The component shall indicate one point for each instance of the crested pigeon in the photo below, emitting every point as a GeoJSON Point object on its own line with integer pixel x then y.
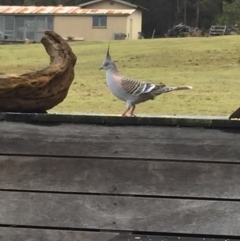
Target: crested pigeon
{"type": "Point", "coordinates": [132, 91]}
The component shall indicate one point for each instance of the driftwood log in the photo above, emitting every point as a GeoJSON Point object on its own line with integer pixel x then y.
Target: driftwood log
{"type": "Point", "coordinates": [235, 114]}
{"type": "Point", "coordinates": [40, 90]}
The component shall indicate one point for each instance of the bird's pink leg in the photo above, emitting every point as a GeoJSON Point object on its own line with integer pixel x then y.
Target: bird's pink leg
{"type": "Point", "coordinates": [125, 112]}
{"type": "Point", "coordinates": [133, 108]}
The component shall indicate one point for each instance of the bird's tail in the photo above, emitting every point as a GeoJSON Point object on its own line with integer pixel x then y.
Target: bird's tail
{"type": "Point", "coordinates": [160, 89]}
{"type": "Point", "coordinates": [169, 89]}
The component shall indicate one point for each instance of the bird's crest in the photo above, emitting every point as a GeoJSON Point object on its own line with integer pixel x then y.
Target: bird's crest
{"type": "Point", "coordinates": [108, 56]}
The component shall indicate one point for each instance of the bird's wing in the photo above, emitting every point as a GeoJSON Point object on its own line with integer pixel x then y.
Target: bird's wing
{"type": "Point", "coordinates": [136, 87]}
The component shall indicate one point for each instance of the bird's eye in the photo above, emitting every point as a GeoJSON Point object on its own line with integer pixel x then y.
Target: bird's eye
{"type": "Point", "coordinates": [106, 64]}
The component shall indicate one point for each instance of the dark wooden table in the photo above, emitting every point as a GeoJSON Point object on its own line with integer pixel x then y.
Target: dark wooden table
{"type": "Point", "coordinates": [85, 178]}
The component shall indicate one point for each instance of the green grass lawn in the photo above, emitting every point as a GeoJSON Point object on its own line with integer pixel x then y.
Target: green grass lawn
{"type": "Point", "coordinates": [210, 65]}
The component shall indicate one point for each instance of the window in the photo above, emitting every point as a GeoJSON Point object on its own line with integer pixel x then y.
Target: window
{"type": "Point", "coordinates": [99, 22]}
{"type": "Point", "coordinates": [9, 23]}
{"type": "Point", "coordinates": [1, 23]}
{"type": "Point", "coordinates": [29, 27]}
{"type": "Point", "coordinates": [19, 28]}
{"type": "Point", "coordinates": [9, 27]}
{"type": "Point", "coordinates": [43, 23]}
{"type": "Point", "coordinates": [50, 22]}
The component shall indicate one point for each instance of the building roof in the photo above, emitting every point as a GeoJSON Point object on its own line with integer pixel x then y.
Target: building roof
{"type": "Point", "coordinates": [60, 10]}
{"type": "Point", "coordinates": [117, 1]}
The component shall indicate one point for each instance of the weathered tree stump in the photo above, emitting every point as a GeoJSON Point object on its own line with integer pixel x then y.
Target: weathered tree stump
{"type": "Point", "coordinates": [40, 90]}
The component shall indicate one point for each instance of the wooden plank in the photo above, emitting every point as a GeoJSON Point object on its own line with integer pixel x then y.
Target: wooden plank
{"type": "Point", "coordinates": [159, 120]}
{"type": "Point", "coordinates": [62, 235]}
{"type": "Point", "coordinates": [109, 119]}
{"type": "Point", "coordinates": [24, 234]}
{"type": "Point", "coordinates": [120, 213]}
{"type": "Point", "coordinates": [181, 179]}
{"type": "Point", "coordinates": [123, 142]}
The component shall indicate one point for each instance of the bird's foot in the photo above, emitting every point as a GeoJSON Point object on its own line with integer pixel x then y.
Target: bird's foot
{"type": "Point", "coordinates": [131, 115]}
{"type": "Point", "coordinates": [125, 115]}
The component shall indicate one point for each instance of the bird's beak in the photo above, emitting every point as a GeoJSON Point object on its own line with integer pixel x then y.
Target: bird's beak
{"type": "Point", "coordinates": [101, 68]}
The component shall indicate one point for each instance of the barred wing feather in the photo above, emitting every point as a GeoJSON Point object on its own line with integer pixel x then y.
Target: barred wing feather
{"type": "Point", "coordinates": [135, 87]}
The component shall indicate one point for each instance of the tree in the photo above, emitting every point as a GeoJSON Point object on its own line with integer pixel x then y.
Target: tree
{"type": "Point", "coordinates": [210, 10]}
{"type": "Point", "coordinates": [13, 2]}
{"type": "Point", "coordinates": [231, 13]}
